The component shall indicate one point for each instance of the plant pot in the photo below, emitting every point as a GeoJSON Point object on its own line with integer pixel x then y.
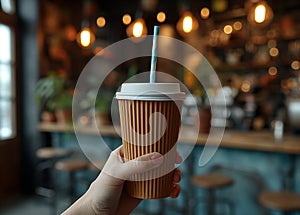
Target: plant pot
{"type": "Point", "coordinates": [102, 119]}
{"type": "Point", "coordinates": [47, 117]}
{"type": "Point", "coordinates": [204, 118]}
{"type": "Point", "coordinates": [63, 116]}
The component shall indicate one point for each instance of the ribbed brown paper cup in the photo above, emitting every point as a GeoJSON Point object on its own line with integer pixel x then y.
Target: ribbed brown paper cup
{"type": "Point", "coordinates": [150, 122]}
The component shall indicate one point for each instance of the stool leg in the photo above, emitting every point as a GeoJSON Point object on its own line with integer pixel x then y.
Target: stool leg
{"type": "Point", "coordinates": [72, 186]}
{"type": "Point", "coordinates": [53, 183]}
{"type": "Point", "coordinates": [231, 208]}
{"type": "Point", "coordinates": [210, 202]}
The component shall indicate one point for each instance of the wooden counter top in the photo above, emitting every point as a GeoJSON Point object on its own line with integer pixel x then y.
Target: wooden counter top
{"type": "Point", "coordinates": [252, 140]}
{"type": "Point", "coordinates": [248, 140]}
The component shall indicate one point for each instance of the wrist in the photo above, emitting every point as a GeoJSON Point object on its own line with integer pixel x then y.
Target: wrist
{"type": "Point", "coordinates": [82, 206]}
{"type": "Point", "coordinates": [97, 200]}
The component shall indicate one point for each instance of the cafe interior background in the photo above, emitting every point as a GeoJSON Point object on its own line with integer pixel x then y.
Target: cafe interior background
{"type": "Point", "coordinates": [254, 47]}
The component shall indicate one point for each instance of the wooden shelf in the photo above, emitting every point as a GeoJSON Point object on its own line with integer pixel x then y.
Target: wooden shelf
{"type": "Point", "coordinates": [252, 65]}
{"type": "Point", "coordinates": [237, 43]}
{"type": "Point", "coordinates": [238, 13]}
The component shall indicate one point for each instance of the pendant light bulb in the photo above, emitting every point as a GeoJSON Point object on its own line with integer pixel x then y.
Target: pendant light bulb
{"type": "Point", "coordinates": [187, 23]}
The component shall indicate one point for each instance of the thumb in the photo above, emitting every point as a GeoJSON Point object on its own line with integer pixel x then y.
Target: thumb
{"type": "Point", "coordinates": [116, 167]}
{"type": "Point", "coordinates": [142, 164]}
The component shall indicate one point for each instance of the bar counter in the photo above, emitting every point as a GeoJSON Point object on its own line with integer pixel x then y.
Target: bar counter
{"type": "Point", "coordinates": [254, 159]}
{"type": "Point", "coordinates": [247, 140]}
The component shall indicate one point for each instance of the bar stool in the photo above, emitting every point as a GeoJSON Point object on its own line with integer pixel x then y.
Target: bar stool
{"type": "Point", "coordinates": [44, 177]}
{"type": "Point", "coordinates": [284, 201]}
{"type": "Point", "coordinates": [210, 182]}
{"type": "Point", "coordinates": [71, 166]}
{"type": "Point", "coordinates": [48, 157]}
{"type": "Point", "coordinates": [50, 153]}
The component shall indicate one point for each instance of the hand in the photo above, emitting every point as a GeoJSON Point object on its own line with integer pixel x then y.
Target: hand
{"type": "Point", "coordinates": [106, 194]}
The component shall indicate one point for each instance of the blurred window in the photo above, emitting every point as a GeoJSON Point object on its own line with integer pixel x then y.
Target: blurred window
{"type": "Point", "coordinates": [8, 6]}
{"type": "Point", "coordinates": [7, 73]}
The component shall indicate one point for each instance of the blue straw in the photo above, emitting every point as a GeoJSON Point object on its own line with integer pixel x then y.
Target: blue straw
{"type": "Point", "coordinates": [154, 54]}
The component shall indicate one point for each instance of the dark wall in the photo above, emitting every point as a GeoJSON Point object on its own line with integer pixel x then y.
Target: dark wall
{"type": "Point", "coordinates": [28, 47]}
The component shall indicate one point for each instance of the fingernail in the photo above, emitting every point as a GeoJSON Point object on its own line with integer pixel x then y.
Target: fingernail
{"type": "Point", "coordinates": [156, 157]}
{"type": "Point", "coordinates": [174, 193]}
{"type": "Point", "coordinates": [178, 159]}
{"type": "Point", "coordinates": [176, 177]}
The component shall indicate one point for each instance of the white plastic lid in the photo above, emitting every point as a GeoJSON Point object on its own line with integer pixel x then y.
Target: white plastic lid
{"type": "Point", "coordinates": [150, 91]}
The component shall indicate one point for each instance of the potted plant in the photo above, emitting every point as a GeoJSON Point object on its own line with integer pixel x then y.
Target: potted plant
{"type": "Point", "coordinates": [204, 113]}
{"type": "Point", "coordinates": [62, 106]}
{"type": "Point", "coordinates": [203, 120]}
{"type": "Point", "coordinates": [97, 103]}
{"type": "Point", "coordinates": [103, 107]}
{"type": "Point", "coordinates": [46, 89]}
{"type": "Point", "coordinates": [54, 98]}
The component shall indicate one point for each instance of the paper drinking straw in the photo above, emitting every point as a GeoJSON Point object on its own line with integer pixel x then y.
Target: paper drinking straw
{"type": "Point", "coordinates": [154, 54]}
